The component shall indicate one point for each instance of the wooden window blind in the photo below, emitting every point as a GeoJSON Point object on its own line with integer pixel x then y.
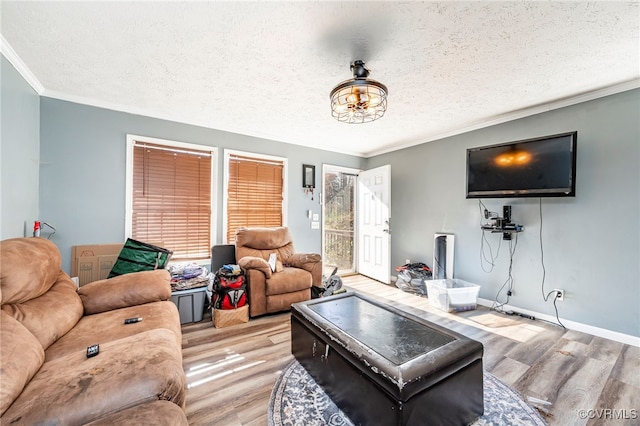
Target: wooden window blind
{"type": "Point", "coordinates": [172, 199]}
{"type": "Point", "coordinates": [255, 193]}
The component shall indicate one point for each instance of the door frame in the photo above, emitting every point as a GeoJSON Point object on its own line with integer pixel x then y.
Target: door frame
{"type": "Point", "coordinates": [348, 170]}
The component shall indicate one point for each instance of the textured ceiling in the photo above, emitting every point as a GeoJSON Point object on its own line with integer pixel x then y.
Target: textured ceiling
{"type": "Point", "coordinates": [266, 68]}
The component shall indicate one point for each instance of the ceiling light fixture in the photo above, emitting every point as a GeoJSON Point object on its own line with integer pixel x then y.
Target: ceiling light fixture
{"type": "Point", "coordinates": [359, 100]}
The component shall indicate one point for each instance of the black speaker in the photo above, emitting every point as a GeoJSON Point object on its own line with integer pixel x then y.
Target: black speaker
{"type": "Point", "coordinates": [506, 214]}
{"type": "Point", "coordinates": [443, 256]}
{"type": "Point", "coordinates": [440, 257]}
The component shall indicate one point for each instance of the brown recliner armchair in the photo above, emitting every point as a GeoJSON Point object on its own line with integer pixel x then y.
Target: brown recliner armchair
{"type": "Point", "coordinates": [274, 291]}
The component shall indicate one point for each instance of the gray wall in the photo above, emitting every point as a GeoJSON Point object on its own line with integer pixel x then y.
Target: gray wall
{"type": "Point", "coordinates": [82, 179]}
{"type": "Point", "coordinates": [19, 153]}
{"type": "Point", "coordinates": [591, 242]}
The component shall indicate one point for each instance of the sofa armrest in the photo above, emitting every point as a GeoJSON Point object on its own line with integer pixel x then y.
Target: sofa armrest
{"type": "Point", "coordinates": [311, 262]}
{"type": "Point", "coordinates": [126, 290]}
{"type": "Point", "coordinates": [257, 263]}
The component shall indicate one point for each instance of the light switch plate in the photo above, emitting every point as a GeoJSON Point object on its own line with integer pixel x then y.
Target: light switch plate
{"type": "Point", "coordinates": [315, 225]}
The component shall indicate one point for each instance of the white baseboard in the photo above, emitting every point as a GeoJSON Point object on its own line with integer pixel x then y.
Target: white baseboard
{"type": "Point", "coordinates": [572, 325]}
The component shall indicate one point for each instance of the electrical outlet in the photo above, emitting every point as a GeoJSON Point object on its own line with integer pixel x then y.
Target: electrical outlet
{"type": "Point", "coordinates": [559, 294]}
{"type": "Point", "coordinates": [407, 261]}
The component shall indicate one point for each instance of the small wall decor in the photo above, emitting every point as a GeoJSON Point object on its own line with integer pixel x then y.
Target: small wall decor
{"type": "Point", "coordinates": [308, 178]}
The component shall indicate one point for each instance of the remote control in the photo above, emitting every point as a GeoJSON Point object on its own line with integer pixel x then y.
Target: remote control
{"type": "Point", "coordinates": [132, 320]}
{"type": "Point", "coordinates": [93, 350]}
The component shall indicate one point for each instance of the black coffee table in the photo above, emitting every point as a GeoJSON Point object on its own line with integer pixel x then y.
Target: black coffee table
{"type": "Point", "coordinates": [384, 366]}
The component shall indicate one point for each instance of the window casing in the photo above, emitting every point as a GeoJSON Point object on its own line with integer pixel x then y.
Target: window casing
{"type": "Point", "coordinates": [170, 196]}
{"type": "Point", "coordinates": [255, 188]}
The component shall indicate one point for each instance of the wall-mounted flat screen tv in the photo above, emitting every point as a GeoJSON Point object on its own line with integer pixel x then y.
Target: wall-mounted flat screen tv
{"type": "Point", "coordinates": [540, 167]}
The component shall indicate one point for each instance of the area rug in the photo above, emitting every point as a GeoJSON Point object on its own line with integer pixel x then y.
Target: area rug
{"type": "Point", "coordinates": [296, 399]}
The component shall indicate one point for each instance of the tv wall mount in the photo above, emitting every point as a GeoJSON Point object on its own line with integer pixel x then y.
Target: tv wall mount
{"type": "Point", "coordinates": [501, 224]}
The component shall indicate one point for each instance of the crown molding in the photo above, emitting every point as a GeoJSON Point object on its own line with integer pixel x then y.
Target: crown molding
{"type": "Point", "coordinates": [522, 113]}
{"type": "Point", "coordinates": [8, 52]}
{"type": "Point", "coordinates": [175, 118]}
{"type": "Point", "coordinates": [20, 66]}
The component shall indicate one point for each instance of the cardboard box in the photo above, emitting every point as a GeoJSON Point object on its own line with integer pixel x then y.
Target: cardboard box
{"type": "Point", "coordinates": [226, 317]}
{"type": "Point", "coordinates": [93, 262]}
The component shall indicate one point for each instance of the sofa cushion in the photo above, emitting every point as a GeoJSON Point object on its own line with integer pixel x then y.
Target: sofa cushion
{"type": "Point", "coordinates": [261, 242]}
{"type": "Point", "coordinates": [263, 238]}
{"type": "Point", "coordinates": [257, 263]}
{"type": "Point", "coordinates": [30, 266]}
{"type": "Point", "coordinates": [284, 301]}
{"type": "Point", "coordinates": [288, 281]}
{"type": "Point", "coordinates": [74, 389]}
{"type": "Point", "coordinates": [118, 292]}
{"type": "Point", "coordinates": [51, 315]}
{"type": "Point", "coordinates": [311, 262]}
{"type": "Point", "coordinates": [21, 355]}
{"type": "Point", "coordinates": [112, 327]}
{"type": "Point", "coordinates": [154, 413]}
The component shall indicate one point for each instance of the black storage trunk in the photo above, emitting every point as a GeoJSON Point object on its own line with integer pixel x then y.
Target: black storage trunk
{"type": "Point", "coordinates": [384, 366]}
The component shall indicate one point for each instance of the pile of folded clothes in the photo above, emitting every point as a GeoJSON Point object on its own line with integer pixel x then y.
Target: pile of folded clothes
{"type": "Point", "coordinates": [185, 276]}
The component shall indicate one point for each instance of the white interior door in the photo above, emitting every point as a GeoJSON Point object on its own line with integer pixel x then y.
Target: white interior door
{"type": "Point", "coordinates": [374, 232]}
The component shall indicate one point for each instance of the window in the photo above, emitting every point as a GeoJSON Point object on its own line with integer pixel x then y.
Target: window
{"type": "Point", "coordinates": [170, 196]}
{"type": "Point", "coordinates": [254, 192]}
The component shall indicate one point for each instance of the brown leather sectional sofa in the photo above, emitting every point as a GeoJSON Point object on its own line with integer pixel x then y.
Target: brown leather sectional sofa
{"type": "Point", "coordinates": [47, 324]}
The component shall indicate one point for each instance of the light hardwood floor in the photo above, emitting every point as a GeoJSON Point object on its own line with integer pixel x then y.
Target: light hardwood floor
{"type": "Point", "coordinates": [231, 371]}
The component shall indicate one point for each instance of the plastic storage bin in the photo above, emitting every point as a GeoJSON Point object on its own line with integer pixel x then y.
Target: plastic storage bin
{"type": "Point", "coordinates": [460, 296]}
{"type": "Point", "coordinates": [190, 304]}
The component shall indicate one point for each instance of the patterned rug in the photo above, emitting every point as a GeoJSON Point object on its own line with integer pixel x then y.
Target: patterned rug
{"type": "Point", "coordinates": [296, 399]}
